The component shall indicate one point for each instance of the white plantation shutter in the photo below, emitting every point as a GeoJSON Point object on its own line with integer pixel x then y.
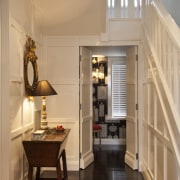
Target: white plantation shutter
{"type": "Point", "coordinates": [118, 91]}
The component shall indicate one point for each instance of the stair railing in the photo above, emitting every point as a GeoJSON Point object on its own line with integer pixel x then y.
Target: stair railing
{"type": "Point", "coordinates": [163, 38]}
{"type": "Point", "coordinates": [124, 9]}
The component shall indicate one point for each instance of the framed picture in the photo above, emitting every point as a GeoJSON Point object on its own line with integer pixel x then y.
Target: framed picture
{"type": "Point", "coordinates": [102, 92]}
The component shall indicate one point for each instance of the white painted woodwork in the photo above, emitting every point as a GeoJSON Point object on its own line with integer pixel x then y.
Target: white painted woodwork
{"type": "Point", "coordinates": [122, 9]}
{"type": "Point", "coordinates": [161, 159]}
{"type": "Point", "coordinates": [4, 92]}
{"type": "Point", "coordinates": [1, 94]}
{"type": "Point", "coordinates": [19, 109]}
{"type": "Point", "coordinates": [64, 107]}
{"type": "Point", "coordinates": [62, 56]}
{"type": "Point", "coordinates": [0, 88]}
{"type": "Point", "coordinates": [124, 29]}
{"type": "Point", "coordinates": [131, 117]}
{"type": "Point", "coordinates": [86, 154]}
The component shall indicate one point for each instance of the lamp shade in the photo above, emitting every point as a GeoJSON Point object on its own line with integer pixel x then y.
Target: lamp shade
{"type": "Point", "coordinates": [44, 89]}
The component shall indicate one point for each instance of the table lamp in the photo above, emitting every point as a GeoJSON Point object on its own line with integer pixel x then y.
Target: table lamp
{"type": "Point", "coordinates": [44, 89]}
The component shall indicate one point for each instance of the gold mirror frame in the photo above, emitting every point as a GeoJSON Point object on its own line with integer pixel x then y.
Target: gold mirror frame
{"type": "Point", "coordinates": [30, 59]}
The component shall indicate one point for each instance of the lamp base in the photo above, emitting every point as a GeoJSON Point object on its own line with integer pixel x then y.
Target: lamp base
{"type": "Point", "coordinates": [44, 124]}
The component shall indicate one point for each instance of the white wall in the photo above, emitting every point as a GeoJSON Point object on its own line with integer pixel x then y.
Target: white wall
{"type": "Point", "coordinates": [21, 110]}
{"type": "Point", "coordinates": [173, 8]}
{"type": "Point", "coordinates": [4, 95]}
{"type": "Point", "coordinates": [61, 60]}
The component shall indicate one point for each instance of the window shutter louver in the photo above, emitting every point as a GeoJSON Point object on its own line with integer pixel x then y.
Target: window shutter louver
{"type": "Point", "coordinates": [118, 90]}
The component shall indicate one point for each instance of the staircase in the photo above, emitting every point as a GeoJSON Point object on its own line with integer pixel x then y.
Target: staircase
{"type": "Point", "coordinates": [161, 47]}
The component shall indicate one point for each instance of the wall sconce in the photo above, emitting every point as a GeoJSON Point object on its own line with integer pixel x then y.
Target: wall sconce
{"type": "Point", "coordinates": [44, 89]}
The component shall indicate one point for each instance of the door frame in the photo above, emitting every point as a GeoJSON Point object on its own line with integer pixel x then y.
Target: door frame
{"type": "Point", "coordinates": [85, 116]}
{"type": "Point", "coordinates": [139, 89]}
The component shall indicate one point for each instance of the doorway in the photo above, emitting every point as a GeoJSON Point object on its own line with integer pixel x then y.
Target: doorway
{"type": "Point", "coordinates": [112, 128]}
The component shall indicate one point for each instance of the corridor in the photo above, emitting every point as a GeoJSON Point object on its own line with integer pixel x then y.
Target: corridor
{"type": "Point", "coordinates": [108, 165]}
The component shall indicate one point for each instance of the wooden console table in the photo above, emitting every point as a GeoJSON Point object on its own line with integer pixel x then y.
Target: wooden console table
{"type": "Point", "coordinates": [47, 153]}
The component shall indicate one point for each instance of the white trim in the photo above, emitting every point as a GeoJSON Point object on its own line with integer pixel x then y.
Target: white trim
{"type": "Point", "coordinates": [1, 163]}
{"type": "Point", "coordinates": [106, 141]}
{"type": "Point", "coordinates": [4, 97]}
{"type": "Point", "coordinates": [86, 160]}
{"type": "Point", "coordinates": [131, 160]}
{"type": "Point", "coordinates": [146, 173]}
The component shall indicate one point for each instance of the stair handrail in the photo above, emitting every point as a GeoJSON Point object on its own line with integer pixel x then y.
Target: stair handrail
{"type": "Point", "coordinates": [163, 40]}
{"type": "Point", "coordinates": [171, 36]}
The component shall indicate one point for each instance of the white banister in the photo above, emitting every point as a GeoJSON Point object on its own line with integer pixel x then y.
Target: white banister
{"type": "Point", "coordinates": [162, 36]}
{"type": "Point", "coordinates": [124, 8]}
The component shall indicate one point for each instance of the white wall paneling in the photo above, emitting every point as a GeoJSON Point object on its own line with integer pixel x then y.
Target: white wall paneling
{"type": "Point", "coordinates": [61, 68]}
{"type": "Point", "coordinates": [124, 29]}
{"type": "Point", "coordinates": [159, 159]}
{"type": "Point", "coordinates": [16, 162]}
{"type": "Point", "coordinates": [72, 148]}
{"type": "Point", "coordinates": [161, 49]}
{"type": "Point", "coordinates": [65, 103]}
{"type": "Point", "coordinates": [0, 85]}
{"type": "Point", "coordinates": [21, 109]}
{"type": "Point", "coordinates": [4, 95]}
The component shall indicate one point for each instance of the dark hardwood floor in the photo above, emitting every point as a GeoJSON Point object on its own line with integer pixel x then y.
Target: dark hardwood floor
{"type": "Point", "coordinates": [108, 165]}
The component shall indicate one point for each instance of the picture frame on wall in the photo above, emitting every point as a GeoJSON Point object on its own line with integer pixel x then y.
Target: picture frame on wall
{"type": "Point", "coordinates": [102, 92]}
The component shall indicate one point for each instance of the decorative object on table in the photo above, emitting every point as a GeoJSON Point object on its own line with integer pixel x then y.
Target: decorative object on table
{"type": "Point", "coordinates": [30, 67]}
{"type": "Point", "coordinates": [38, 135]}
{"type": "Point", "coordinates": [44, 89]}
{"type": "Point", "coordinates": [60, 128]}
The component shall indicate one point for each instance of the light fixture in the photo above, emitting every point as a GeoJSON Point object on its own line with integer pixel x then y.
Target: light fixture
{"type": "Point", "coordinates": [94, 60]}
{"type": "Point", "coordinates": [44, 89]}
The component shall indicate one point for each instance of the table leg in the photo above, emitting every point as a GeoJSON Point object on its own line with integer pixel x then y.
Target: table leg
{"type": "Point", "coordinates": [64, 164]}
{"type": "Point", "coordinates": [58, 169]}
{"type": "Point", "coordinates": [30, 173]}
{"type": "Point", "coordinates": [38, 173]}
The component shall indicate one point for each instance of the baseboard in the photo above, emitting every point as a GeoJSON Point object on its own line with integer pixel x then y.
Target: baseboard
{"type": "Point", "coordinates": [86, 160]}
{"type": "Point", "coordinates": [106, 141]}
{"type": "Point", "coordinates": [131, 160]}
{"type": "Point", "coordinates": [71, 166]}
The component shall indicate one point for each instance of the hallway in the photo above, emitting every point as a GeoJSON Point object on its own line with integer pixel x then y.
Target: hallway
{"type": "Point", "coordinates": [108, 165]}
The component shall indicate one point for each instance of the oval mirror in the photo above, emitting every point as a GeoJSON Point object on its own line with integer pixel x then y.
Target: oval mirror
{"type": "Point", "coordinates": [30, 67]}
{"type": "Point", "coordinates": [30, 73]}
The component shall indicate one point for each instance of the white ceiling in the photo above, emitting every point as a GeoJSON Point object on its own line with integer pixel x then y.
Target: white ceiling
{"type": "Point", "coordinates": [53, 12]}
